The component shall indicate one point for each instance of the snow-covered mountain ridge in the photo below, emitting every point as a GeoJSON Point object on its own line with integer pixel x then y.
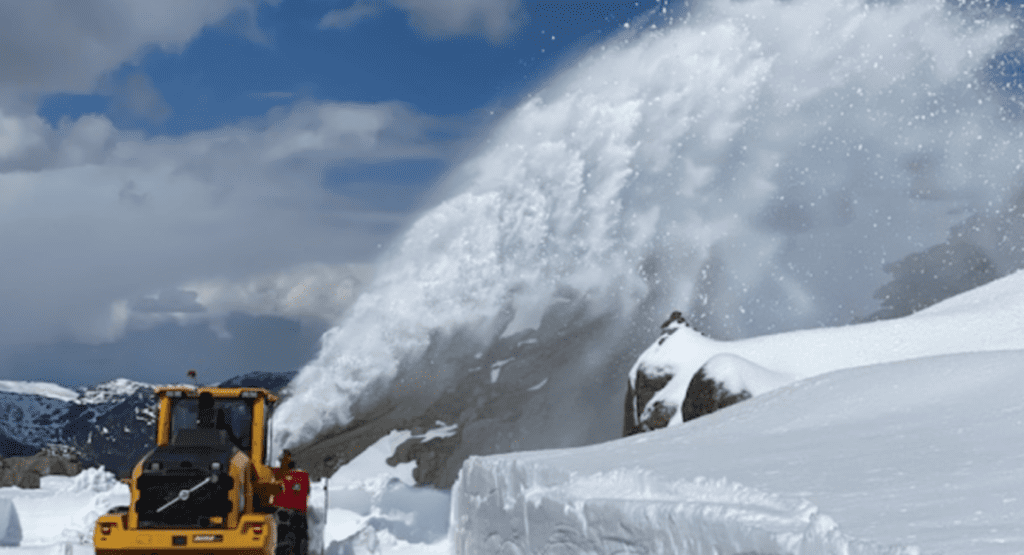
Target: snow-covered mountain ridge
{"type": "Point", "coordinates": [989, 318]}
{"type": "Point", "coordinates": [40, 389]}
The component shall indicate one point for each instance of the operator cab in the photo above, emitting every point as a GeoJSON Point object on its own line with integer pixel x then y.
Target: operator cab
{"type": "Point", "coordinates": [232, 416]}
{"type": "Point", "coordinates": [215, 416]}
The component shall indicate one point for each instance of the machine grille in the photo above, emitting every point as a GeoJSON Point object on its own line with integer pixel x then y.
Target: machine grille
{"type": "Point", "coordinates": [162, 503]}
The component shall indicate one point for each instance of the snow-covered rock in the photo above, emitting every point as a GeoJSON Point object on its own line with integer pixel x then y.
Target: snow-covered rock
{"type": "Point", "coordinates": [989, 318]}
{"type": "Point", "coordinates": [919, 456]}
{"type": "Point", "coordinates": [25, 472]}
{"type": "Point", "coordinates": [10, 526]}
{"type": "Point", "coordinates": [724, 380]}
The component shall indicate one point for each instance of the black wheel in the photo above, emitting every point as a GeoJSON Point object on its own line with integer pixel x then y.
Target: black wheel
{"type": "Point", "coordinates": [292, 533]}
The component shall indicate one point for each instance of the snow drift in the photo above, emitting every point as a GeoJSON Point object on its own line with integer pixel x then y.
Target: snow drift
{"type": "Point", "coordinates": [759, 163]}
{"type": "Point", "coordinates": [10, 526]}
{"type": "Point", "coordinates": [989, 318]}
{"type": "Point", "coordinates": [915, 457]}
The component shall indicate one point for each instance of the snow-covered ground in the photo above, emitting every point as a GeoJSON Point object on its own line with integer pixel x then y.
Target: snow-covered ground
{"type": "Point", "coordinates": [58, 517]}
{"type": "Point", "coordinates": [989, 318]}
{"type": "Point", "coordinates": [922, 456]}
{"type": "Point", "coordinates": [905, 457]}
{"type": "Point", "coordinates": [372, 509]}
{"type": "Point", "coordinates": [919, 453]}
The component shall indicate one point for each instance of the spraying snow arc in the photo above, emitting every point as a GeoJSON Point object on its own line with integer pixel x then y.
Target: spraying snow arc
{"type": "Point", "coordinates": [757, 164]}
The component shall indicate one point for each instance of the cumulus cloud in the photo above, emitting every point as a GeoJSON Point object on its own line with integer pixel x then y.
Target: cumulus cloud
{"type": "Point", "coordinates": [317, 293]}
{"type": "Point", "coordinates": [54, 45]}
{"type": "Point", "coordinates": [93, 218]}
{"type": "Point", "coordinates": [495, 20]}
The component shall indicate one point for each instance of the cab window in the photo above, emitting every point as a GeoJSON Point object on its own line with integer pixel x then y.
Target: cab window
{"type": "Point", "coordinates": [232, 415]}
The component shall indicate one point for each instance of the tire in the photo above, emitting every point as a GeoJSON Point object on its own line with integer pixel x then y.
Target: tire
{"type": "Point", "coordinates": [292, 533]}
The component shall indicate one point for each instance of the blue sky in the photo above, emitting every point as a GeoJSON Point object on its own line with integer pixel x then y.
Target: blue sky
{"type": "Point", "coordinates": [180, 181]}
{"type": "Point", "coordinates": [250, 62]}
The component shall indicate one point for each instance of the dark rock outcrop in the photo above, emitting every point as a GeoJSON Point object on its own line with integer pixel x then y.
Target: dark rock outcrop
{"type": "Point", "coordinates": [648, 383]}
{"type": "Point", "coordinates": [706, 395]}
{"type": "Point", "coordinates": [636, 402]}
{"type": "Point", "coordinates": [430, 457]}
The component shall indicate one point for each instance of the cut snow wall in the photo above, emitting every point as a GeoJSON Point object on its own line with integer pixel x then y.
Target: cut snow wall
{"type": "Point", "coordinates": [10, 525]}
{"type": "Point", "coordinates": [500, 505]}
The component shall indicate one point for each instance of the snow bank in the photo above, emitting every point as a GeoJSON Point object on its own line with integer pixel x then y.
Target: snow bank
{"type": "Point", "coordinates": [64, 509]}
{"type": "Point", "coordinates": [985, 319]}
{"type": "Point", "coordinates": [892, 458]}
{"type": "Point", "coordinates": [374, 508]}
{"type": "Point", "coordinates": [507, 507]}
{"type": "Point", "coordinates": [10, 525]}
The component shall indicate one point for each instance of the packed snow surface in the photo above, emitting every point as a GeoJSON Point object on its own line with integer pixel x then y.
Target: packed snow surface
{"type": "Point", "coordinates": [372, 508]}
{"type": "Point", "coordinates": [921, 456]}
{"type": "Point", "coordinates": [757, 164]}
{"type": "Point", "coordinates": [989, 318]}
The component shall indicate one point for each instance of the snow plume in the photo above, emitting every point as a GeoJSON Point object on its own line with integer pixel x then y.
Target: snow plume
{"type": "Point", "coordinates": [757, 164]}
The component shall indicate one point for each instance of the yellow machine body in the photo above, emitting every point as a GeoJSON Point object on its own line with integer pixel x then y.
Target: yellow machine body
{"type": "Point", "coordinates": [206, 488]}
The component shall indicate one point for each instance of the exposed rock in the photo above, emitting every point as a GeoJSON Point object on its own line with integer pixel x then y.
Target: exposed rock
{"type": "Point", "coordinates": [645, 384]}
{"type": "Point", "coordinates": [25, 472]}
{"type": "Point", "coordinates": [430, 457]}
{"type": "Point", "coordinates": [727, 379]}
{"type": "Point", "coordinates": [658, 416]}
{"type": "Point", "coordinates": [705, 396]}
{"type": "Point", "coordinates": [513, 394]}
{"type": "Point", "coordinates": [637, 400]}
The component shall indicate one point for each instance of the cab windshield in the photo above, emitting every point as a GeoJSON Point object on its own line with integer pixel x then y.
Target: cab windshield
{"type": "Point", "coordinates": [231, 415]}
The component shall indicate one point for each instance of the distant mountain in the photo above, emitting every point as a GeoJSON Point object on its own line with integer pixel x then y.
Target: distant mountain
{"type": "Point", "coordinates": [109, 424]}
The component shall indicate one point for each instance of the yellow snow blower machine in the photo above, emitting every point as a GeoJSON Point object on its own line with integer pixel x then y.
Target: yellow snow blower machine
{"type": "Point", "coordinates": [207, 487]}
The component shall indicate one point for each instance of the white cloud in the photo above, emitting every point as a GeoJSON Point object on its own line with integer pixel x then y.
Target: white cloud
{"type": "Point", "coordinates": [54, 45]}
{"type": "Point", "coordinates": [347, 17]}
{"type": "Point", "coordinates": [495, 20]}
{"type": "Point", "coordinates": [90, 215]}
{"type": "Point", "coordinates": [307, 292]}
